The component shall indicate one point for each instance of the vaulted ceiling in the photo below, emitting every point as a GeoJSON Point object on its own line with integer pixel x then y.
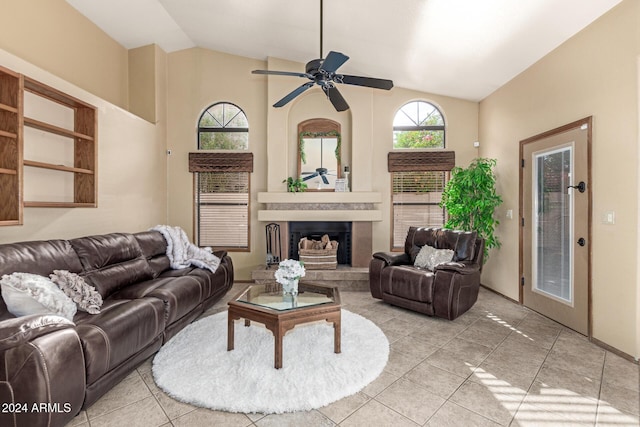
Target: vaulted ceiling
{"type": "Point", "coordinates": [460, 48]}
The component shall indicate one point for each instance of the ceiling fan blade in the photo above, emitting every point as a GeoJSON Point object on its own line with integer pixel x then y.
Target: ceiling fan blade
{"type": "Point", "coordinates": [310, 176]}
{"type": "Point", "coordinates": [284, 101]}
{"type": "Point", "coordinates": [336, 98]}
{"type": "Point", "coordinates": [324, 179]}
{"type": "Point", "coordinates": [281, 73]}
{"type": "Point", "coordinates": [364, 81]}
{"type": "Point", "coordinates": [333, 61]}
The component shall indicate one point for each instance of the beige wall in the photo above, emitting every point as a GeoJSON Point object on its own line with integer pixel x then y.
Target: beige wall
{"type": "Point", "coordinates": [131, 173]}
{"type": "Point", "coordinates": [197, 79]}
{"type": "Point", "coordinates": [593, 74]}
{"type": "Point", "coordinates": [53, 35]}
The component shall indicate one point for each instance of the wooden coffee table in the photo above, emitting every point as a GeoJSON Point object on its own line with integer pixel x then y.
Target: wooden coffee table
{"type": "Point", "coordinates": [279, 314]}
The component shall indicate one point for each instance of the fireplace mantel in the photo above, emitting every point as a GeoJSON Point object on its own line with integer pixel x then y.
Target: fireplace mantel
{"type": "Point", "coordinates": [320, 206]}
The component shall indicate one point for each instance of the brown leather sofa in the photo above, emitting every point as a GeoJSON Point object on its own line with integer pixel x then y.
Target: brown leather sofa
{"type": "Point", "coordinates": [52, 368]}
{"type": "Point", "coordinates": [447, 291]}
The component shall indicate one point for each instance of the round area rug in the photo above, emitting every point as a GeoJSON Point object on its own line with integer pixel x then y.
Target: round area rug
{"type": "Point", "coordinates": [195, 366]}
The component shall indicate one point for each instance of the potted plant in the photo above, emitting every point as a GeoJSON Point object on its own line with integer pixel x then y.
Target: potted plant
{"type": "Point", "coordinates": [295, 185]}
{"type": "Point", "coordinates": [470, 199]}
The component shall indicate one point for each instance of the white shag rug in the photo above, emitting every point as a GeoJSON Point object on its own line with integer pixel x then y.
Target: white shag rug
{"type": "Point", "coordinates": [195, 366]}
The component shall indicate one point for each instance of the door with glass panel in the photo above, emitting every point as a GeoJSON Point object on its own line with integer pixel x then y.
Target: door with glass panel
{"type": "Point", "coordinates": [555, 224]}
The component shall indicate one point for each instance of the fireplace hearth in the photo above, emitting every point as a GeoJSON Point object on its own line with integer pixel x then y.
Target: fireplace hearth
{"type": "Point", "coordinates": [336, 230]}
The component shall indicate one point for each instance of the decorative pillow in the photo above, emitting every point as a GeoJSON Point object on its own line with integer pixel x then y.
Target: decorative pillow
{"type": "Point", "coordinates": [84, 295]}
{"type": "Point", "coordinates": [26, 293]}
{"type": "Point", "coordinates": [423, 256]}
{"type": "Point", "coordinates": [429, 257]}
{"type": "Point", "coordinates": [440, 256]}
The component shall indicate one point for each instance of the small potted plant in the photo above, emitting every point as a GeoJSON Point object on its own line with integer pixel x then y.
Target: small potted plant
{"type": "Point", "coordinates": [288, 274]}
{"type": "Point", "coordinates": [295, 185]}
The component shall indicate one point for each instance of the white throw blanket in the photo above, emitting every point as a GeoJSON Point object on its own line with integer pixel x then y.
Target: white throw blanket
{"type": "Point", "coordinates": [182, 253]}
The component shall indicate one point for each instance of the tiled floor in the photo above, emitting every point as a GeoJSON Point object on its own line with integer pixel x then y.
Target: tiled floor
{"type": "Point", "coordinates": [497, 365]}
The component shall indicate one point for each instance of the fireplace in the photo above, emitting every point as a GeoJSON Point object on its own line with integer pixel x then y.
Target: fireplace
{"type": "Point", "coordinates": [338, 231]}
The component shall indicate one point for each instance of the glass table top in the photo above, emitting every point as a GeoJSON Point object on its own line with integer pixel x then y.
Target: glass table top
{"type": "Point", "coordinates": [269, 296]}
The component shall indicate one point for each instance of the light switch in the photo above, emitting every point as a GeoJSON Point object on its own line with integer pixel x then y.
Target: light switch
{"type": "Point", "coordinates": [510, 214]}
{"type": "Point", "coordinates": [609, 217]}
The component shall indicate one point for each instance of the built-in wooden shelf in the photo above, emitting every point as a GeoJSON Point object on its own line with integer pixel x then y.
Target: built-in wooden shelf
{"type": "Point", "coordinates": [58, 205]}
{"type": "Point", "coordinates": [56, 167]}
{"type": "Point", "coordinates": [9, 108]}
{"type": "Point", "coordinates": [12, 163]}
{"type": "Point", "coordinates": [8, 134]}
{"type": "Point", "coordinates": [33, 123]}
{"type": "Point", "coordinates": [11, 146]}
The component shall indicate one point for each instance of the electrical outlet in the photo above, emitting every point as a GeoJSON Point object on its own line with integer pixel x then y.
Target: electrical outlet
{"type": "Point", "coordinates": [476, 144]}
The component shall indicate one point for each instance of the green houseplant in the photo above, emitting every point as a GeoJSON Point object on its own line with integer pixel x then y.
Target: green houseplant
{"type": "Point", "coordinates": [295, 185]}
{"type": "Point", "coordinates": [470, 199]}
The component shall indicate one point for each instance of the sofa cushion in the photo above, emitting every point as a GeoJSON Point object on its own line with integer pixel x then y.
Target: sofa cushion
{"type": "Point", "coordinates": [39, 257]}
{"type": "Point", "coordinates": [408, 282]}
{"type": "Point", "coordinates": [154, 248]}
{"type": "Point", "coordinates": [121, 330]}
{"type": "Point", "coordinates": [111, 261]}
{"type": "Point", "coordinates": [180, 295]}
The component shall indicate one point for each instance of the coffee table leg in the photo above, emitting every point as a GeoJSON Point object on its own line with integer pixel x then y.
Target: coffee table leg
{"type": "Point", "coordinates": [230, 333]}
{"type": "Point", "coordinates": [278, 347]}
{"type": "Point", "coordinates": [336, 337]}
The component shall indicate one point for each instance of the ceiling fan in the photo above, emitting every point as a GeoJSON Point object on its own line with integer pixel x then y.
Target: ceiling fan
{"type": "Point", "coordinates": [323, 73]}
{"type": "Point", "coordinates": [321, 172]}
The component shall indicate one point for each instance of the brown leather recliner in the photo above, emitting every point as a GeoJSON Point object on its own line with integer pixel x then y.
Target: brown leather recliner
{"type": "Point", "coordinates": [448, 291]}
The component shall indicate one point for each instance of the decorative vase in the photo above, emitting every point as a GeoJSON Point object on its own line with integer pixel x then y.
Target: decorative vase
{"type": "Point", "coordinates": [290, 287]}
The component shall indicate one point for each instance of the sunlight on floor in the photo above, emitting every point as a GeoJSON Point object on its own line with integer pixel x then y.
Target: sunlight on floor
{"type": "Point", "coordinates": [551, 406]}
{"type": "Point", "coordinates": [498, 320]}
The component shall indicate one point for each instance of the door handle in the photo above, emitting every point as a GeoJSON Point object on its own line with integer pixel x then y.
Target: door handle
{"type": "Point", "coordinates": [582, 242]}
{"type": "Point", "coordinates": [582, 187]}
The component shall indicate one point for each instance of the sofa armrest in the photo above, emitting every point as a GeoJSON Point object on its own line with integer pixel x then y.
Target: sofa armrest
{"type": "Point", "coordinates": [43, 366]}
{"type": "Point", "coordinates": [220, 254]}
{"type": "Point", "coordinates": [393, 258]}
{"type": "Point", "coordinates": [458, 267]}
{"type": "Point", "coordinates": [14, 332]}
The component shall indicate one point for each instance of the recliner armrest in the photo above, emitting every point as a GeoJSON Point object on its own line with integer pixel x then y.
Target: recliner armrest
{"type": "Point", "coordinates": [458, 267]}
{"type": "Point", "coordinates": [14, 332]}
{"type": "Point", "coordinates": [393, 258]}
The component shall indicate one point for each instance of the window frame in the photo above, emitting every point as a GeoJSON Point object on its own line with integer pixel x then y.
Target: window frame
{"type": "Point", "coordinates": [197, 218]}
{"type": "Point", "coordinates": [222, 128]}
{"type": "Point", "coordinates": [418, 127]}
{"type": "Point", "coordinates": [417, 161]}
{"type": "Point", "coordinates": [220, 160]}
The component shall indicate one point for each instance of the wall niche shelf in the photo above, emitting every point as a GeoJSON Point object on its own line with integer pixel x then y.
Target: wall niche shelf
{"type": "Point", "coordinates": [76, 144]}
{"type": "Point", "coordinates": [83, 138]}
{"type": "Point", "coordinates": [11, 98]}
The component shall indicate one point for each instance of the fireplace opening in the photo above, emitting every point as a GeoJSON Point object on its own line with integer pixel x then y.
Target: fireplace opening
{"type": "Point", "coordinates": [336, 230]}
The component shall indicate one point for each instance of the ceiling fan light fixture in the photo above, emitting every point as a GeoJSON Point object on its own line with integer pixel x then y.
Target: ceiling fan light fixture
{"type": "Point", "coordinates": [323, 73]}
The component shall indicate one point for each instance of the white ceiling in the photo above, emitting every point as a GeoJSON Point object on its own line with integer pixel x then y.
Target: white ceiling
{"type": "Point", "coordinates": [460, 48]}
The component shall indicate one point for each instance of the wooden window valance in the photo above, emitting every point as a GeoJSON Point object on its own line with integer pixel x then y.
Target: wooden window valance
{"type": "Point", "coordinates": [421, 161]}
{"type": "Point", "coordinates": [220, 162]}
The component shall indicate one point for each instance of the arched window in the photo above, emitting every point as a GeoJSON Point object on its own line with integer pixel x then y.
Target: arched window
{"type": "Point", "coordinates": [418, 124]}
{"type": "Point", "coordinates": [418, 178]}
{"type": "Point", "coordinates": [223, 126]}
{"type": "Point", "coordinates": [222, 178]}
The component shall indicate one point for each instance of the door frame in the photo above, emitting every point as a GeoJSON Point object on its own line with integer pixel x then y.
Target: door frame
{"type": "Point", "coordinates": [588, 121]}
